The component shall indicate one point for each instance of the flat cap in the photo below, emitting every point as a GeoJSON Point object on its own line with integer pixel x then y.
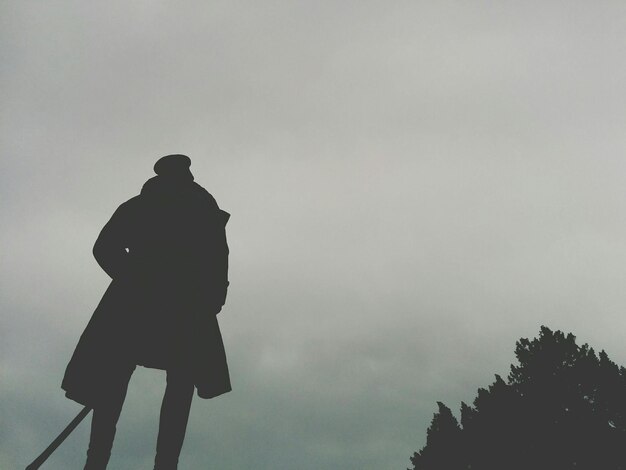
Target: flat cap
{"type": "Point", "coordinates": [172, 165]}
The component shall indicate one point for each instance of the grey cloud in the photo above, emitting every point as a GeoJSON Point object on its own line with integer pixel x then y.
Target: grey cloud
{"type": "Point", "coordinates": [413, 187]}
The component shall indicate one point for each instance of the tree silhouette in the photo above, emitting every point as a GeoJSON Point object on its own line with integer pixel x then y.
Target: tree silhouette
{"type": "Point", "coordinates": [562, 407]}
{"type": "Point", "coordinates": [443, 441]}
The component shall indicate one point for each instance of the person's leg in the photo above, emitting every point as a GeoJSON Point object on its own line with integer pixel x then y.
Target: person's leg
{"type": "Point", "coordinates": [173, 421]}
{"type": "Point", "coordinates": [103, 424]}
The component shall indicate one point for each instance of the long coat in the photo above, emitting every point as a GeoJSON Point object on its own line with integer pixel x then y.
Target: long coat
{"type": "Point", "coordinates": [167, 255]}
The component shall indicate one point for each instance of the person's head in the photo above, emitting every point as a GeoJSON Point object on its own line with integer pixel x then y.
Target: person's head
{"type": "Point", "coordinates": [175, 167]}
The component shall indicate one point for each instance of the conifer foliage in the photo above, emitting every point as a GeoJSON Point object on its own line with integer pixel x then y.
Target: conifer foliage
{"type": "Point", "coordinates": [562, 407]}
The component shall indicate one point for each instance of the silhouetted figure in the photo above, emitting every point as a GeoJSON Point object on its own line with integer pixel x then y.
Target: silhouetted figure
{"type": "Point", "coordinates": [167, 255]}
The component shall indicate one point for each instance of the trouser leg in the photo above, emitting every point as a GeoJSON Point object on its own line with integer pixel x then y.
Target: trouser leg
{"type": "Point", "coordinates": [173, 421]}
{"type": "Point", "coordinates": [103, 424]}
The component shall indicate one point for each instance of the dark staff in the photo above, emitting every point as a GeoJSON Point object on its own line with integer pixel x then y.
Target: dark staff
{"type": "Point", "coordinates": [60, 438]}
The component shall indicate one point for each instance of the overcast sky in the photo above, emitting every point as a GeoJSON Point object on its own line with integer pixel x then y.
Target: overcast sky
{"type": "Point", "coordinates": [414, 185]}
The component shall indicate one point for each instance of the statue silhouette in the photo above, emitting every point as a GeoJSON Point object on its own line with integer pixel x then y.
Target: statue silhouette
{"type": "Point", "coordinates": [167, 255]}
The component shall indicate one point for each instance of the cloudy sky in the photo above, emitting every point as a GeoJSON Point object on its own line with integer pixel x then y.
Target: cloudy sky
{"type": "Point", "coordinates": [414, 185]}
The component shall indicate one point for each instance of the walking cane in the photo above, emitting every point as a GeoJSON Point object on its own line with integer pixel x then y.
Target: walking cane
{"type": "Point", "coordinates": [59, 439]}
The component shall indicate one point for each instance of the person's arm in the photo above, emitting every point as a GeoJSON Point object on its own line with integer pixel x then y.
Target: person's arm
{"type": "Point", "coordinates": [110, 247]}
{"type": "Point", "coordinates": [222, 259]}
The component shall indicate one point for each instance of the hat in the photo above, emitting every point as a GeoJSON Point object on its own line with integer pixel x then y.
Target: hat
{"type": "Point", "coordinates": [173, 165]}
